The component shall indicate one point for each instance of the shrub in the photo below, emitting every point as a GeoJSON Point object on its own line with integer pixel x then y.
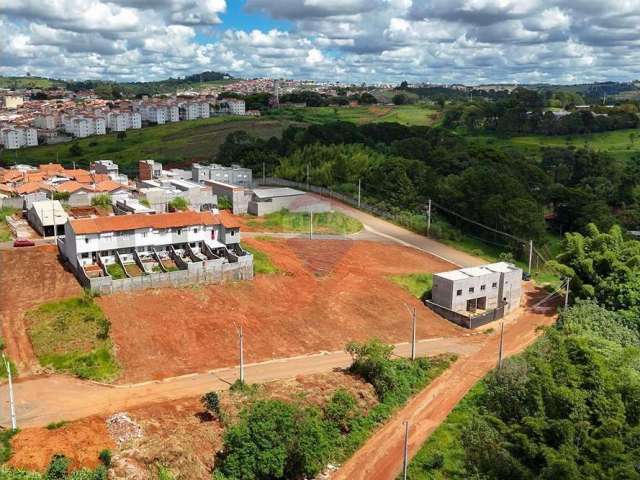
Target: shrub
{"type": "Point", "coordinates": [61, 195]}
{"type": "Point", "coordinates": [211, 402]}
{"type": "Point", "coordinates": [58, 468]}
{"type": "Point", "coordinates": [178, 203]}
{"type": "Point", "coordinates": [103, 200]}
{"type": "Point", "coordinates": [105, 457]}
{"type": "Point", "coordinates": [341, 410]}
{"type": "Point", "coordinates": [56, 425]}
{"type": "Point", "coordinates": [224, 203]}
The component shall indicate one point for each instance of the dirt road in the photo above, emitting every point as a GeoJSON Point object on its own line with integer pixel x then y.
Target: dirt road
{"type": "Point", "coordinates": [42, 400]}
{"type": "Point", "coordinates": [381, 457]}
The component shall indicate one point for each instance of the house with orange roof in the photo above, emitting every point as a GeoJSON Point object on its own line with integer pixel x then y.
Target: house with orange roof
{"type": "Point", "coordinates": [174, 248]}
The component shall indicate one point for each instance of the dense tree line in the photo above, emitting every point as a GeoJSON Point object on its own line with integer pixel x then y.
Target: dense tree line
{"type": "Point", "coordinates": [523, 112]}
{"type": "Point", "coordinates": [401, 167]}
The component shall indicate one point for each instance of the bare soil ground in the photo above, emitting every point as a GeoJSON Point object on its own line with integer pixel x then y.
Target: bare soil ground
{"type": "Point", "coordinates": [80, 441]}
{"type": "Point", "coordinates": [177, 434]}
{"type": "Point", "coordinates": [29, 277]}
{"type": "Point", "coordinates": [332, 291]}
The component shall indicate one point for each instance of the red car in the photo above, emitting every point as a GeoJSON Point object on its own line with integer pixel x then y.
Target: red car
{"type": "Point", "coordinates": [23, 242]}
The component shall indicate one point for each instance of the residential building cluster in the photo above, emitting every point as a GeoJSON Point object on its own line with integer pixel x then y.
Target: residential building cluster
{"type": "Point", "coordinates": [26, 123]}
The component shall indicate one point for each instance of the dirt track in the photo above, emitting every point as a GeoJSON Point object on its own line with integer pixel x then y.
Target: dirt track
{"type": "Point", "coordinates": [29, 277]}
{"type": "Point", "coordinates": [381, 456]}
{"type": "Point", "coordinates": [330, 292]}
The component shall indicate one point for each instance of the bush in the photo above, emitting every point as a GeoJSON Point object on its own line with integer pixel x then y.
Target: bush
{"type": "Point", "coordinates": [178, 203]}
{"type": "Point", "coordinates": [103, 200]}
{"type": "Point", "coordinates": [61, 196]}
{"type": "Point", "coordinates": [274, 440]}
{"type": "Point", "coordinates": [58, 468]}
{"type": "Point", "coordinates": [75, 150]}
{"type": "Point", "coordinates": [211, 402]}
{"type": "Point", "coordinates": [341, 410]}
{"type": "Point", "coordinates": [105, 457]}
{"type": "Point", "coordinates": [224, 203]}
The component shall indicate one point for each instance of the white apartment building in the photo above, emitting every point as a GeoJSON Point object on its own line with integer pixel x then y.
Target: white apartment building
{"type": "Point", "coordinates": [13, 101]}
{"type": "Point", "coordinates": [235, 106]}
{"type": "Point", "coordinates": [123, 121]}
{"type": "Point", "coordinates": [14, 138]}
{"type": "Point", "coordinates": [194, 110]}
{"type": "Point", "coordinates": [48, 122]}
{"type": "Point", "coordinates": [82, 127]}
{"type": "Point", "coordinates": [160, 114]}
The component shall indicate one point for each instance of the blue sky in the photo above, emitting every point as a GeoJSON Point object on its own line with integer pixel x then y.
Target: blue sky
{"type": "Point", "coordinates": [438, 41]}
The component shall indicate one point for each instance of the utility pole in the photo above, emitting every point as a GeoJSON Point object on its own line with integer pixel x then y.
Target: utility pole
{"type": "Point", "coordinates": [307, 177]}
{"type": "Point", "coordinates": [241, 338]}
{"type": "Point", "coordinates": [530, 254]}
{"type": "Point", "coordinates": [359, 190]}
{"type": "Point", "coordinates": [264, 174]}
{"type": "Point", "coordinates": [12, 406]}
{"type": "Point", "coordinates": [412, 312]}
{"type": "Point", "coordinates": [405, 456]}
{"type": "Point", "coordinates": [429, 218]}
{"type": "Point", "coordinates": [566, 294]}
{"type": "Point", "coordinates": [310, 224]}
{"type": "Point", "coordinates": [501, 345]}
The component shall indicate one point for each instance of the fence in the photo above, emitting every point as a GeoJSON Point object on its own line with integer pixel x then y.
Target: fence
{"type": "Point", "coordinates": [466, 321]}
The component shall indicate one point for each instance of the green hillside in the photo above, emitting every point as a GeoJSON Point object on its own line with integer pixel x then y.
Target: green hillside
{"type": "Point", "coordinates": [28, 82]}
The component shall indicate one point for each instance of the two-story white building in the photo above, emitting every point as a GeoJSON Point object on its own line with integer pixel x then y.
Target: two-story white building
{"type": "Point", "coordinates": [100, 240]}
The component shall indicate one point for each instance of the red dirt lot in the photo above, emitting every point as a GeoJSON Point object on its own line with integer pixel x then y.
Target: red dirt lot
{"type": "Point", "coordinates": [80, 441]}
{"type": "Point", "coordinates": [330, 292]}
{"type": "Point", "coordinates": [29, 277]}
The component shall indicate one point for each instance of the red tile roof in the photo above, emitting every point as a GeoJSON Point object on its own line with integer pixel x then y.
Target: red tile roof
{"type": "Point", "coordinates": [228, 219]}
{"type": "Point", "coordinates": [72, 186]}
{"type": "Point", "coordinates": [32, 187]}
{"type": "Point", "coordinates": [109, 186]}
{"type": "Point", "coordinates": [135, 221]}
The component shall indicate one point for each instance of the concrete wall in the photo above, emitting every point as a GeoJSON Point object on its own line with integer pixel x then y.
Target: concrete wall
{"type": "Point", "coordinates": [224, 273]}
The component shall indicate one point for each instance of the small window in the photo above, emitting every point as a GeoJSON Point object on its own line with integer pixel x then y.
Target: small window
{"type": "Point", "coordinates": [195, 230]}
{"type": "Point", "coordinates": [85, 255]}
{"type": "Point", "coordinates": [179, 231]}
{"type": "Point", "coordinates": [459, 292]}
{"type": "Point", "coordinates": [483, 287]}
{"type": "Point", "coordinates": [86, 240]}
{"type": "Point", "coordinates": [494, 285]}
{"type": "Point", "coordinates": [471, 289]}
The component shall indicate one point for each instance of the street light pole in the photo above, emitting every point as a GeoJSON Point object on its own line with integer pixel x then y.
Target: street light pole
{"type": "Point", "coordinates": [566, 295]}
{"type": "Point", "coordinates": [429, 218]}
{"type": "Point", "coordinates": [359, 191]}
{"type": "Point", "coordinates": [412, 312]}
{"type": "Point", "coordinates": [12, 406]}
{"type": "Point", "coordinates": [530, 254]}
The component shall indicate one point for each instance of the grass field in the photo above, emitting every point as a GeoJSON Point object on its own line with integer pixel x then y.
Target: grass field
{"type": "Point", "coordinates": [261, 261]}
{"type": "Point", "coordinates": [27, 82]}
{"type": "Point", "coordinates": [73, 336]}
{"type": "Point", "coordinates": [618, 143]}
{"type": "Point", "coordinates": [329, 223]}
{"type": "Point", "coordinates": [405, 114]}
{"type": "Point", "coordinates": [418, 284]}
{"type": "Point", "coordinates": [5, 232]}
{"type": "Point", "coordinates": [176, 145]}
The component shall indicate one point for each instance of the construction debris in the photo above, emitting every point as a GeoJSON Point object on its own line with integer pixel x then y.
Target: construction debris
{"type": "Point", "coordinates": [122, 428]}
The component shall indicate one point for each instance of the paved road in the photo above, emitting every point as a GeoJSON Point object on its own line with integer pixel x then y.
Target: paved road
{"type": "Point", "coordinates": [45, 399]}
{"type": "Point", "coordinates": [387, 230]}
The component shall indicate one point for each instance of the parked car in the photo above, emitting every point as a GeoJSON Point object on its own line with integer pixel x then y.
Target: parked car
{"type": "Point", "coordinates": [23, 242]}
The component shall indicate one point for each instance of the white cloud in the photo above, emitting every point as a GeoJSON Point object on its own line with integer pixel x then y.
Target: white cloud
{"type": "Point", "coordinates": [350, 40]}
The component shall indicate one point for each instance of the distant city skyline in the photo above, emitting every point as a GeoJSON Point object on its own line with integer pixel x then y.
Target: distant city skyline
{"type": "Point", "coordinates": [353, 41]}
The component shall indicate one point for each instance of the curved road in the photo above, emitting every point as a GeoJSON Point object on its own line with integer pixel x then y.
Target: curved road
{"type": "Point", "coordinates": [392, 232]}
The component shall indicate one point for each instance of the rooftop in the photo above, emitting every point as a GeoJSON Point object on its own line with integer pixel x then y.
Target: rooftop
{"type": "Point", "coordinates": [141, 221]}
{"type": "Point", "coordinates": [276, 192]}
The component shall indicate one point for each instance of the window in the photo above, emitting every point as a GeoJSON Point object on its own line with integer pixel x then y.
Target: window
{"type": "Point", "coordinates": [494, 285]}
{"type": "Point", "coordinates": [85, 255]}
{"type": "Point", "coordinates": [195, 230]}
{"type": "Point", "coordinates": [459, 292]}
{"type": "Point", "coordinates": [471, 289]}
{"type": "Point", "coordinates": [179, 231]}
{"type": "Point", "coordinates": [86, 239]}
{"type": "Point", "coordinates": [483, 287]}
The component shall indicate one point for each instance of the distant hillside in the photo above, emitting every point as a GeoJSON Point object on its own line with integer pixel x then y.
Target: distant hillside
{"type": "Point", "coordinates": [29, 82]}
{"type": "Point", "coordinates": [117, 89]}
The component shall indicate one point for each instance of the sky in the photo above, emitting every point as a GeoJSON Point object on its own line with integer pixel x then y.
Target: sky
{"type": "Point", "coordinates": [437, 41]}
